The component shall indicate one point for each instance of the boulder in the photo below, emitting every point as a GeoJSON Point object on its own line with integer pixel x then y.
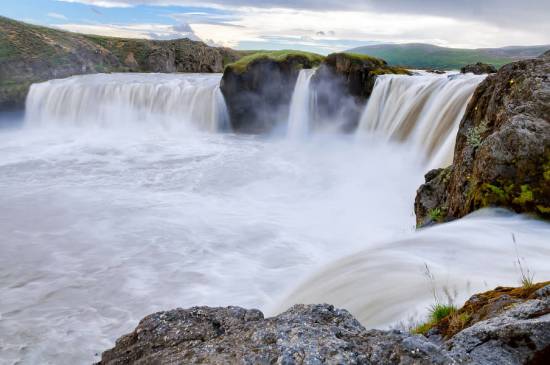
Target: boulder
{"type": "Point", "coordinates": [342, 85]}
{"type": "Point", "coordinates": [502, 153]}
{"type": "Point", "coordinates": [506, 326]}
{"type": "Point", "coordinates": [259, 87]}
{"type": "Point", "coordinates": [478, 69]}
{"type": "Point", "coordinates": [515, 332]}
{"type": "Point", "coordinates": [312, 334]}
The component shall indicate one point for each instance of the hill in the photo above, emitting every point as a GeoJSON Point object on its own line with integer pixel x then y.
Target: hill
{"type": "Point", "coordinates": [427, 56]}
{"type": "Point", "coordinates": [30, 53]}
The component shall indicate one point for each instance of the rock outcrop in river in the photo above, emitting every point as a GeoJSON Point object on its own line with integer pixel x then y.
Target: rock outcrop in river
{"type": "Point", "coordinates": [258, 88]}
{"type": "Point", "coordinates": [321, 334]}
{"type": "Point", "coordinates": [30, 53]}
{"type": "Point", "coordinates": [502, 154]}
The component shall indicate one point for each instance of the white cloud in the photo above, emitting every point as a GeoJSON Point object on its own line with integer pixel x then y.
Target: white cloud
{"type": "Point", "coordinates": [457, 23]}
{"type": "Point", "coordinates": [103, 3]}
{"type": "Point", "coordinates": [144, 31]}
{"type": "Point", "coordinates": [57, 16]}
{"type": "Point", "coordinates": [261, 25]}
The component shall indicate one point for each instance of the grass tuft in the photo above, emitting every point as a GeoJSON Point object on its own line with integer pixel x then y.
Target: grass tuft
{"type": "Point", "coordinates": [527, 278]}
{"type": "Point", "coordinates": [278, 56]}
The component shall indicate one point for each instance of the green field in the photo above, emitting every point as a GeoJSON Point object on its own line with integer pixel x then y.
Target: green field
{"type": "Point", "coordinates": [426, 56]}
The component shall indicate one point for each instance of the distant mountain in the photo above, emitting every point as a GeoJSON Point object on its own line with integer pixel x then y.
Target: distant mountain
{"type": "Point", "coordinates": [30, 53]}
{"type": "Point", "coordinates": [427, 56]}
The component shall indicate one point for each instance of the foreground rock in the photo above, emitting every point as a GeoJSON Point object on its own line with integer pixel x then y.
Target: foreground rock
{"type": "Point", "coordinates": [502, 154]}
{"type": "Point", "coordinates": [30, 53]}
{"type": "Point", "coordinates": [343, 84]}
{"type": "Point", "coordinates": [321, 334]}
{"type": "Point", "coordinates": [258, 88]}
{"type": "Point", "coordinates": [479, 69]}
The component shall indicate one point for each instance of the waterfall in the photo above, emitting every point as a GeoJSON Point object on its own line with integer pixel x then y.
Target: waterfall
{"type": "Point", "coordinates": [109, 100]}
{"type": "Point", "coordinates": [387, 283]}
{"type": "Point", "coordinates": [300, 106]}
{"type": "Point", "coordinates": [424, 110]}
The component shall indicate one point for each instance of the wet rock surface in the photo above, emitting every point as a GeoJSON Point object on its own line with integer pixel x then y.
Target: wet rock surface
{"type": "Point", "coordinates": [321, 334]}
{"type": "Point", "coordinates": [502, 154]}
{"type": "Point", "coordinates": [478, 68]}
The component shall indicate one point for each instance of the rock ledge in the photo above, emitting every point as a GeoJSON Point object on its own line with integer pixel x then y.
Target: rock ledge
{"type": "Point", "coordinates": [322, 334]}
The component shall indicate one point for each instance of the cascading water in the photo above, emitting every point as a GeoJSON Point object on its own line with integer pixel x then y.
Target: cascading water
{"type": "Point", "coordinates": [385, 284]}
{"type": "Point", "coordinates": [115, 100]}
{"type": "Point", "coordinates": [301, 105]}
{"type": "Point", "coordinates": [423, 110]}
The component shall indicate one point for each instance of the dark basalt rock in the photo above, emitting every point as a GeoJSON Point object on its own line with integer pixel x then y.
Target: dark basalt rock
{"type": "Point", "coordinates": [321, 334]}
{"type": "Point", "coordinates": [478, 69]}
{"type": "Point", "coordinates": [343, 84]}
{"type": "Point", "coordinates": [502, 154]}
{"type": "Point", "coordinates": [258, 97]}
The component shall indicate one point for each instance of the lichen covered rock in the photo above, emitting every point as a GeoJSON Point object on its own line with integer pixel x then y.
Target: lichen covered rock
{"type": "Point", "coordinates": [502, 154]}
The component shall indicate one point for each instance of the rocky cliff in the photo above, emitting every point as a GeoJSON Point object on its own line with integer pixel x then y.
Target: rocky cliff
{"type": "Point", "coordinates": [321, 334]}
{"type": "Point", "coordinates": [31, 53]}
{"type": "Point", "coordinates": [502, 154]}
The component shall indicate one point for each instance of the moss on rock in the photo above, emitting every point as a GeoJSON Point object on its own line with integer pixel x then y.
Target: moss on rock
{"type": "Point", "coordinates": [244, 63]}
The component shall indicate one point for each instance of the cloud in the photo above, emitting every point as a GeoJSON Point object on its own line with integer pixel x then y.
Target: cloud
{"type": "Point", "coordinates": [105, 3]}
{"type": "Point", "coordinates": [57, 16]}
{"type": "Point", "coordinates": [146, 31]}
{"type": "Point", "coordinates": [458, 23]}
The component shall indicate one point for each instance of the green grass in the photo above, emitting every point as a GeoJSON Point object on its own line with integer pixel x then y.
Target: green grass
{"type": "Point", "coordinates": [436, 214]}
{"type": "Point", "coordinates": [365, 58]}
{"type": "Point", "coordinates": [424, 56]}
{"type": "Point", "coordinates": [278, 56]}
{"type": "Point", "coordinates": [436, 314]}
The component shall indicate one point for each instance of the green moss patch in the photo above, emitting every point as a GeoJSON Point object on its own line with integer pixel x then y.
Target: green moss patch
{"type": "Point", "coordinates": [277, 56]}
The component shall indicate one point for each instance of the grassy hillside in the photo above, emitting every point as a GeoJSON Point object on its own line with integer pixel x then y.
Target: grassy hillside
{"type": "Point", "coordinates": [30, 53]}
{"type": "Point", "coordinates": [426, 56]}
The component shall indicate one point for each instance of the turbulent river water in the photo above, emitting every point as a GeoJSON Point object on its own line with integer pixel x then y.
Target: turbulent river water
{"type": "Point", "coordinates": [119, 198]}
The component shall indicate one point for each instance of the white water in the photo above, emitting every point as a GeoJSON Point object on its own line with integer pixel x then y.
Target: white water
{"type": "Point", "coordinates": [301, 105]}
{"type": "Point", "coordinates": [102, 226]}
{"type": "Point", "coordinates": [113, 100]}
{"type": "Point", "coordinates": [423, 110]}
{"type": "Point", "coordinates": [385, 284]}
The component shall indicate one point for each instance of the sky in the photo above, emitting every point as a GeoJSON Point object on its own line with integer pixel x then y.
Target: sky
{"type": "Point", "coordinates": [321, 26]}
